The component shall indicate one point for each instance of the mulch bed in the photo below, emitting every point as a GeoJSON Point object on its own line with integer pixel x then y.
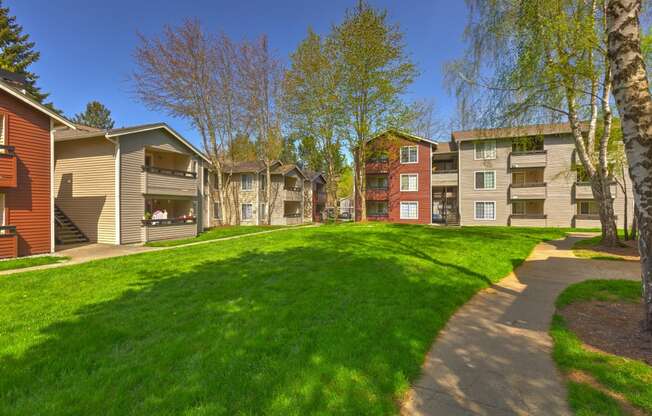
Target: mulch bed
{"type": "Point", "coordinates": [628, 250]}
{"type": "Point", "coordinates": [612, 327]}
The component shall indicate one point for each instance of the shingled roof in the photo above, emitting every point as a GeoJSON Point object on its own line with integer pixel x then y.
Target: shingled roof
{"type": "Point", "coordinates": [517, 131]}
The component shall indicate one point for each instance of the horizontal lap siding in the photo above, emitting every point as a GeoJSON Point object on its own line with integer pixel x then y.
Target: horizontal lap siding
{"type": "Point", "coordinates": [29, 205]}
{"type": "Point", "coordinates": [169, 232]}
{"type": "Point", "coordinates": [84, 186]}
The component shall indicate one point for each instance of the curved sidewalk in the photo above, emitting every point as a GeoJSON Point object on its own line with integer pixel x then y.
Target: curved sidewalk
{"type": "Point", "coordinates": [494, 355]}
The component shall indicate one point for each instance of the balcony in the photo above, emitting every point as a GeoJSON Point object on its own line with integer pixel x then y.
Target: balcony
{"type": "Point", "coordinates": [376, 193]}
{"type": "Point", "coordinates": [169, 229]}
{"type": "Point", "coordinates": [530, 159]}
{"type": "Point", "coordinates": [8, 175]}
{"type": "Point", "coordinates": [377, 165]}
{"type": "Point", "coordinates": [528, 220]}
{"type": "Point", "coordinates": [160, 181]}
{"type": "Point", "coordinates": [528, 191]}
{"type": "Point", "coordinates": [8, 242]}
{"type": "Point", "coordinates": [583, 190]}
{"type": "Point", "coordinates": [444, 178]}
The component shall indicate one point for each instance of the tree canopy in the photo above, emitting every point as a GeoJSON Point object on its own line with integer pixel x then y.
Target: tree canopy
{"type": "Point", "coordinates": [95, 115]}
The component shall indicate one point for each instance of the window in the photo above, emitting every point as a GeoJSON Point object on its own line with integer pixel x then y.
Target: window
{"type": "Point", "coordinates": [247, 212]}
{"type": "Point", "coordinates": [409, 154]}
{"type": "Point", "coordinates": [588, 207]}
{"type": "Point", "coordinates": [376, 208]}
{"type": "Point", "coordinates": [378, 157]}
{"type": "Point", "coordinates": [527, 144]}
{"type": "Point", "coordinates": [3, 130]}
{"type": "Point", "coordinates": [485, 180]}
{"type": "Point", "coordinates": [409, 182]}
{"type": "Point", "coordinates": [485, 210]}
{"type": "Point", "coordinates": [206, 175]}
{"type": "Point", "coordinates": [409, 210]}
{"type": "Point", "coordinates": [217, 212]}
{"type": "Point", "coordinates": [377, 182]}
{"type": "Point", "coordinates": [527, 208]}
{"type": "Point", "coordinates": [247, 182]}
{"type": "Point", "coordinates": [485, 149]}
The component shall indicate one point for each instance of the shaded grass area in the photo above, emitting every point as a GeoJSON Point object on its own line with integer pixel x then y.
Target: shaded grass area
{"type": "Point", "coordinates": [324, 320]}
{"type": "Point", "coordinates": [630, 378]}
{"type": "Point", "coordinates": [216, 234]}
{"type": "Point", "coordinates": [586, 249]}
{"type": "Point", "coordinates": [31, 262]}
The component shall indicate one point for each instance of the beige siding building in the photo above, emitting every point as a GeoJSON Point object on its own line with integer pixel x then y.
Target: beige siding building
{"type": "Point", "coordinates": [128, 185]}
{"type": "Point", "coordinates": [526, 176]}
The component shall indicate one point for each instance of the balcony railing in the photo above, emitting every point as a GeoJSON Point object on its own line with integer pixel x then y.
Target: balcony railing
{"type": "Point", "coordinates": [170, 221]}
{"type": "Point", "coordinates": [529, 216]}
{"type": "Point", "coordinates": [292, 188]}
{"type": "Point", "coordinates": [292, 215]}
{"type": "Point", "coordinates": [444, 177]}
{"type": "Point", "coordinates": [8, 242]}
{"type": "Point", "coordinates": [379, 159]}
{"type": "Point", "coordinates": [171, 172]}
{"type": "Point", "coordinates": [160, 181]}
{"type": "Point", "coordinates": [528, 159]}
{"type": "Point", "coordinates": [533, 190]}
{"type": "Point", "coordinates": [377, 187]}
{"type": "Point", "coordinates": [8, 175]}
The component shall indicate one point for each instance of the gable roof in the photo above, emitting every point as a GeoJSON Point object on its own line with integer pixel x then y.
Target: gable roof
{"type": "Point", "coordinates": [401, 134]}
{"type": "Point", "coordinates": [250, 166]}
{"type": "Point", "coordinates": [312, 176]}
{"type": "Point", "coordinates": [85, 132]}
{"type": "Point", "coordinates": [17, 93]}
{"type": "Point", "coordinates": [517, 131]}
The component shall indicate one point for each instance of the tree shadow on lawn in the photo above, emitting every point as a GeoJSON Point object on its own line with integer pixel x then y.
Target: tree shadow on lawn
{"type": "Point", "coordinates": [262, 332]}
{"type": "Point", "coordinates": [257, 333]}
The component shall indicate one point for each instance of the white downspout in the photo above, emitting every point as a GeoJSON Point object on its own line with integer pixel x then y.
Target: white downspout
{"type": "Point", "coordinates": [117, 204]}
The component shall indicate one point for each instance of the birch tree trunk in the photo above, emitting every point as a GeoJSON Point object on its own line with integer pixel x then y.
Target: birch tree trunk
{"type": "Point", "coordinates": [361, 182]}
{"type": "Point", "coordinates": [268, 192]}
{"type": "Point", "coordinates": [632, 93]}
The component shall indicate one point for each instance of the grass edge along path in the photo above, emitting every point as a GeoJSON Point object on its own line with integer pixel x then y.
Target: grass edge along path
{"type": "Point", "coordinates": [600, 383]}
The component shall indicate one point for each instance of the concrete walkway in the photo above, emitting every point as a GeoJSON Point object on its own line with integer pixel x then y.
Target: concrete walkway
{"type": "Point", "coordinates": [494, 355]}
{"type": "Point", "coordinates": [82, 253]}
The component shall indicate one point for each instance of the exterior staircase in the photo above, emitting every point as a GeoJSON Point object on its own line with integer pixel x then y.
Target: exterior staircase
{"type": "Point", "coordinates": [66, 232]}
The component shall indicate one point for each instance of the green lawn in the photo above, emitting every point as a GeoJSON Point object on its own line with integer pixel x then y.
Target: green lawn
{"type": "Point", "coordinates": [630, 378]}
{"type": "Point", "coordinates": [217, 233]}
{"type": "Point", "coordinates": [30, 262]}
{"type": "Point", "coordinates": [321, 320]}
{"type": "Point", "coordinates": [584, 248]}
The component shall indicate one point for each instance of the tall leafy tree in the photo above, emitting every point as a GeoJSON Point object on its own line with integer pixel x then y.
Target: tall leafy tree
{"type": "Point", "coordinates": [17, 52]}
{"type": "Point", "coordinates": [370, 54]}
{"type": "Point", "coordinates": [314, 109]}
{"type": "Point", "coordinates": [547, 60]}
{"type": "Point", "coordinates": [96, 115]}
{"type": "Point", "coordinates": [634, 102]}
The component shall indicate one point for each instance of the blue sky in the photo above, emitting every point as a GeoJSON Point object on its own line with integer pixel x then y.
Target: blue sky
{"type": "Point", "coordinates": [86, 46]}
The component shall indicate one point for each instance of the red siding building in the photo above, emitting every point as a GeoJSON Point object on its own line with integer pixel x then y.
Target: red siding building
{"type": "Point", "coordinates": [397, 184]}
{"type": "Point", "coordinates": [26, 203]}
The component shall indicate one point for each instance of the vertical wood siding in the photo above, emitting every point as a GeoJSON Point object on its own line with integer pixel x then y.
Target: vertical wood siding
{"type": "Point", "coordinates": [84, 186]}
{"type": "Point", "coordinates": [28, 206]}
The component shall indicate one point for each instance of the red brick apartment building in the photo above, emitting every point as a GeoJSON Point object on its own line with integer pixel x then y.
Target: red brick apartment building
{"type": "Point", "coordinates": [398, 173]}
{"type": "Point", "coordinates": [26, 167]}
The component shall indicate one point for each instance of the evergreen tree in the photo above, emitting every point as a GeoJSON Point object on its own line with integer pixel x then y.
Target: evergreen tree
{"type": "Point", "coordinates": [95, 115]}
{"type": "Point", "coordinates": [17, 52]}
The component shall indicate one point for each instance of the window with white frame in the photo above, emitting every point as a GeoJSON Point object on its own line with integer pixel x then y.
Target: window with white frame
{"type": "Point", "coordinates": [409, 154]}
{"type": "Point", "coordinates": [247, 182]}
{"type": "Point", "coordinates": [247, 212]}
{"type": "Point", "coordinates": [409, 210]}
{"type": "Point", "coordinates": [409, 182]}
{"type": "Point", "coordinates": [3, 130]}
{"type": "Point", "coordinates": [485, 180]}
{"type": "Point", "coordinates": [485, 149]}
{"type": "Point", "coordinates": [485, 210]}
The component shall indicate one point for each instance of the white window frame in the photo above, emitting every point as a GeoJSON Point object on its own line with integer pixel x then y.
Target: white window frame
{"type": "Point", "coordinates": [401, 210]}
{"type": "Point", "coordinates": [242, 182]}
{"type": "Point", "coordinates": [3, 129]}
{"type": "Point", "coordinates": [242, 212]}
{"type": "Point", "coordinates": [475, 210]}
{"type": "Point", "coordinates": [401, 183]}
{"type": "Point", "coordinates": [400, 155]}
{"type": "Point", "coordinates": [475, 183]}
{"type": "Point", "coordinates": [484, 142]}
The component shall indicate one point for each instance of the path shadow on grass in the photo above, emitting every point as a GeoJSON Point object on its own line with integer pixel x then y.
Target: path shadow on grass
{"type": "Point", "coordinates": [264, 331]}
